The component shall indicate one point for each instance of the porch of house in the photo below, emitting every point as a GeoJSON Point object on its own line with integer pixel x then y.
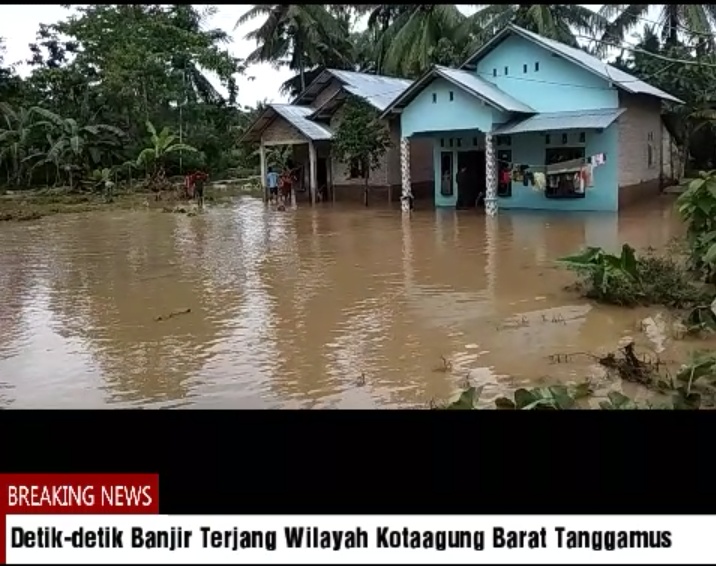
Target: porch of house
{"type": "Point", "coordinates": [573, 166]}
{"type": "Point", "coordinates": [310, 160]}
{"type": "Point", "coordinates": [286, 125]}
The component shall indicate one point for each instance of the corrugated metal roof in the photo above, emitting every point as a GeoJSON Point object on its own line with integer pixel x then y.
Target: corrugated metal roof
{"type": "Point", "coordinates": [578, 119]}
{"type": "Point", "coordinates": [581, 58]}
{"type": "Point", "coordinates": [298, 117]}
{"type": "Point", "coordinates": [483, 89]}
{"type": "Point", "coordinates": [377, 90]}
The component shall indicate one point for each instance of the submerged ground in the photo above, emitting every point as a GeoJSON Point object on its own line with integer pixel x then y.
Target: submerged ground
{"type": "Point", "coordinates": [244, 307]}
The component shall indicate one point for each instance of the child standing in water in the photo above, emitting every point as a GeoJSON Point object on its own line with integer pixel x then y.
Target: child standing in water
{"type": "Point", "coordinates": [272, 184]}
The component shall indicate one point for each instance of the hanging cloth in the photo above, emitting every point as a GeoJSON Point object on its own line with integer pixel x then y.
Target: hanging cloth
{"type": "Point", "coordinates": [540, 181]}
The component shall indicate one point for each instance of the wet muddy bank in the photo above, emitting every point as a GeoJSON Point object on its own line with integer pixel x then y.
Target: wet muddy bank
{"type": "Point", "coordinates": [33, 204]}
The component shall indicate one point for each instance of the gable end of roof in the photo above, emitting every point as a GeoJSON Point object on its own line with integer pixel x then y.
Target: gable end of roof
{"type": "Point", "coordinates": [576, 56]}
{"type": "Point", "coordinates": [466, 81]}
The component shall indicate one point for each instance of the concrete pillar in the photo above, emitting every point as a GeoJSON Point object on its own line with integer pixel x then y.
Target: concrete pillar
{"type": "Point", "coordinates": [407, 192]}
{"type": "Point", "coordinates": [264, 185]}
{"type": "Point", "coordinates": [491, 242]}
{"type": "Point", "coordinates": [490, 176]}
{"type": "Point", "coordinates": [313, 171]}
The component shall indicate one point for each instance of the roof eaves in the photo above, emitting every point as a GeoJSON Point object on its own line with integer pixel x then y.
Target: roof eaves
{"type": "Point", "coordinates": [470, 90]}
{"type": "Point", "coordinates": [313, 115]}
{"type": "Point", "coordinates": [416, 86]}
{"type": "Point", "coordinates": [252, 126]}
{"type": "Point", "coordinates": [324, 73]}
{"type": "Point", "coordinates": [487, 46]}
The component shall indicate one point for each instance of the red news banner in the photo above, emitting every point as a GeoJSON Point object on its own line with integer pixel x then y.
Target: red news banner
{"type": "Point", "coordinates": [75, 494]}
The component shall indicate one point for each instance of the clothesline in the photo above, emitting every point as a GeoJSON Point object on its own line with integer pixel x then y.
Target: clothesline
{"type": "Point", "coordinates": [584, 160]}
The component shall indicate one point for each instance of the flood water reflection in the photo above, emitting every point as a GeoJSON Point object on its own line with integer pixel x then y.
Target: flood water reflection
{"type": "Point", "coordinates": [290, 309]}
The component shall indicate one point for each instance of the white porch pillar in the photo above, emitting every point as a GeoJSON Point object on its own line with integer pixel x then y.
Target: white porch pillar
{"type": "Point", "coordinates": [407, 192]}
{"type": "Point", "coordinates": [491, 241]}
{"type": "Point", "coordinates": [490, 177]}
{"type": "Point", "coordinates": [313, 171]}
{"type": "Point", "coordinates": [264, 185]}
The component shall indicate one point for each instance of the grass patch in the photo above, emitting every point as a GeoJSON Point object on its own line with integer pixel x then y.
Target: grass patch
{"type": "Point", "coordinates": [33, 204]}
{"type": "Point", "coordinates": [628, 280]}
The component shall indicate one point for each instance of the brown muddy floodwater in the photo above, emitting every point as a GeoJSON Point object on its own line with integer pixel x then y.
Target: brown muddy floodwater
{"type": "Point", "coordinates": [288, 309]}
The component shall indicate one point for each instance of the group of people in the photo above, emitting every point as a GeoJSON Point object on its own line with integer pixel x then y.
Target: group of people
{"type": "Point", "coordinates": [280, 186]}
{"type": "Point", "coordinates": [194, 186]}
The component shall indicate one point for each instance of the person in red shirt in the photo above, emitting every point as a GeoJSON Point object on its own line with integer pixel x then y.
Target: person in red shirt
{"type": "Point", "coordinates": [194, 184]}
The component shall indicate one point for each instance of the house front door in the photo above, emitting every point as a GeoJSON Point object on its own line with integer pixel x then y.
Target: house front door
{"type": "Point", "coordinates": [474, 179]}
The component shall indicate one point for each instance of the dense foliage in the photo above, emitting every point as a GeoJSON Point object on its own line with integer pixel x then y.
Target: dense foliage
{"type": "Point", "coordinates": [99, 77]}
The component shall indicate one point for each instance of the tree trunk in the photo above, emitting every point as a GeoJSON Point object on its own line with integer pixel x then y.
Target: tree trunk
{"type": "Point", "coordinates": [365, 191]}
{"type": "Point", "coordinates": [302, 72]}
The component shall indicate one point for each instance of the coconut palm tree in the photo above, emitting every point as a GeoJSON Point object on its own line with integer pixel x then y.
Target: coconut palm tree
{"type": "Point", "coordinates": [410, 34]}
{"type": "Point", "coordinates": [299, 36]}
{"type": "Point", "coordinates": [673, 19]}
{"type": "Point", "coordinates": [556, 21]}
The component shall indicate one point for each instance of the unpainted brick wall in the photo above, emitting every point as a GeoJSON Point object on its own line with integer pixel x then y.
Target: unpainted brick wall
{"type": "Point", "coordinates": [642, 117]}
{"type": "Point", "coordinates": [281, 131]}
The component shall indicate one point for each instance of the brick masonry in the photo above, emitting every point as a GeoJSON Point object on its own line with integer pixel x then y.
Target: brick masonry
{"type": "Point", "coordinates": [279, 130]}
{"type": "Point", "coordinates": [639, 128]}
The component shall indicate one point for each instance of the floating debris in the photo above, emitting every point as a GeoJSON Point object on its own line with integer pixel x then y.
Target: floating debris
{"type": "Point", "coordinates": [172, 315]}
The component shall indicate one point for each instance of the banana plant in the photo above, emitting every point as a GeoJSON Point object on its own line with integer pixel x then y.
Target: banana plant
{"type": "Point", "coordinates": [102, 180]}
{"type": "Point", "coordinates": [153, 158]}
{"type": "Point", "coordinates": [74, 146]}
{"type": "Point", "coordinates": [603, 267]}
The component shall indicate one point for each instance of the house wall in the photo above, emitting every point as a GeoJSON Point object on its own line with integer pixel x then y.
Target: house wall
{"type": "Point", "coordinates": [640, 131]}
{"type": "Point", "coordinates": [421, 165]}
{"type": "Point", "coordinates": [433, 111]}
{"type": "Point", "coordinates": [557, 85]}
{"type": "Point", "coordinates": [328, 91]}
{"type": "Point", "coordinates": [530, 148]}
{"type": "Point", "coordinates": [671, 158]}
{"type": "Point", "coordinates": [385, 181]}
{"type": "Point", "coordinates": [280, 131]}
{"type": "Point", "coordinates": [449, 142]}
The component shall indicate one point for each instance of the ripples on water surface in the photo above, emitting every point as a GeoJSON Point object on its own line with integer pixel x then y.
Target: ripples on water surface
{"type": "Point", "coordinates": [289, 309]}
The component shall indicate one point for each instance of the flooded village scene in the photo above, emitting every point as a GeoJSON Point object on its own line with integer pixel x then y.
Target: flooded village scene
{"type": "Point", "coordinates": [358, 207]}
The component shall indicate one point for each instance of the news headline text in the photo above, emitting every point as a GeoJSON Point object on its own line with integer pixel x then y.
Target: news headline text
{"type": "Point", "coordinates": [297, 537]}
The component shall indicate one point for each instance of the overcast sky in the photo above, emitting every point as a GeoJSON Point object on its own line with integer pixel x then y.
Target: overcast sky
{"type": "Point", "coordinates": [19, 24]}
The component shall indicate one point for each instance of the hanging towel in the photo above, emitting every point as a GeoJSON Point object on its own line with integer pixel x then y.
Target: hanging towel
{"type": "Point", "coordinates": [578, 183]}
{"type": "Point", "coordinates": [598, 159]}
{"type": "Point", "coordinates": [505, 177]}
{"type": "Point", "coordinates": [540, 181]}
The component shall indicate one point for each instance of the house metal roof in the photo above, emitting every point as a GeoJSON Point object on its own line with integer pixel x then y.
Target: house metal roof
{"type": "Point", "coordinates": [619, 78]}
{"type": "Point", "coordinates": [378, 90]}
{"type": "Point", "coordinates": [467, 81]}
{"type": "Point", "coordinates": [578, 119]}
{"type": "Point", "coordinates": [297, 116]}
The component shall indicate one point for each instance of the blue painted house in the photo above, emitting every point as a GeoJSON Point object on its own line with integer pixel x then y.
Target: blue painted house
{"type": "Point", "coordinates": [532, 123]}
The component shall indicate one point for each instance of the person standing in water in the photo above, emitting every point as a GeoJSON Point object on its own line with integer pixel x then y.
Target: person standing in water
{"type": "Point", "coordinates": [272, 184]}
{"type": "Point", "coordinates": [199, 179]}
{"type": "Point", "coordinates": [462, 188]}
